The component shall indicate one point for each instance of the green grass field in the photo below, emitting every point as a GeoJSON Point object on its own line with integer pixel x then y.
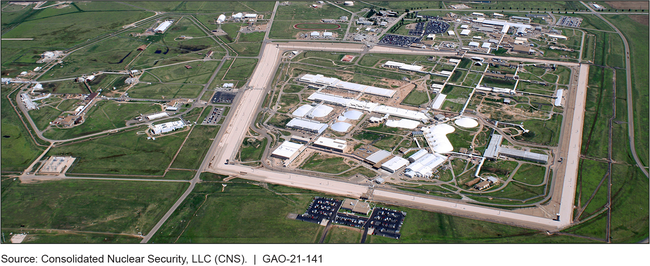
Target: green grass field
{"type": "Point", "coordinates": [252, 149]}
{"type": "Point", "coordinates": [416, 98]}
{"type": "Point", "coordinates": [165, 91]}
{"type": "Point", "coordinates": [195, 147]}
{"type": "Point", "coordinates": [122, 153]}
{"type": "Point", "coordinates": [18, 149]}
{"type": "Point", "coordinates": [242, 213]}
{"type": "Point", "coordinates": [84, 205]}
{"type": "Point", "coordinates": [530, 174]}
{"type": "Point", "coordinates": [104, 115]}
{"type": "Point", "coordinates": [320, 163]}
{"type": "Point", "coordinates": [199, 73]}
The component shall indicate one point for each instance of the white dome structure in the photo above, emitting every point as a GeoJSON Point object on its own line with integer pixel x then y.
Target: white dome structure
{"type": "Point", "coordinates": [320, 111]}
{"type": "Point", "coordinates": [341, 127]}
{"type": "Point", "coordinates": [302, 110]}
{"type": "Point", "coordinates": [466, 122]}
{"type": "Point", "coordinates": [353, 114]}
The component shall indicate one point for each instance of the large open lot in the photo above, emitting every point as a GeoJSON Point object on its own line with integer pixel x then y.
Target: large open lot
{"type": "Point", "coordinates": [92, 211]}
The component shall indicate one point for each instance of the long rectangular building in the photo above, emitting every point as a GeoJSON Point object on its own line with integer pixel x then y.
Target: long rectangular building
{"type": "Point", "coordinates": [368, 106]}
{"type": "Point", "coordinates": [333, 144]}
{"type": "Point", "coordinates": [288, 151]}
{"type": "Point", "coordinates": [492, 150]}
{"type": "Point", "coordinates": [424, 166]}
{"type": "Point", "coordinates": [163, 26]}
{"type": "Point", "coordinates": [402, 66]}
{"type": "Point", "coordinates": [307, 125]}
{"type": "Point", "coordinates": [336, 83]}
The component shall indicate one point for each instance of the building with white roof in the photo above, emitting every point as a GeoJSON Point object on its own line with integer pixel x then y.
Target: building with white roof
{"type": "Point", "coordinates": [327, 34]}
{"type": "Point", "coordinates": [378, 156]}
{"type": "Point", "coordinates": [402, 66]}
{"type": "Point", "coordinates": [394, 164]}
{"type": "Point", "coordinates": [238, 16]}
{"type": "Point", "coordinates": [336, 83]}
{"type": "Point", "coordinates": [465, 32]}
{"type": "Point", "coordinates": [556, 36]}
{"type": "Point", "coordinates": [451, 33]}
{"type": "Point", "coordinates": [473, 44]}
{"type": "Point", "coordinates": [438, 101]}
{"type": "Point", "coordinates": [405, 113]}
{"type": "Point", "coordinates": [163, 26]}
{"type": "Point", "coordinates": [403, 123]}
{"type": "Point", "coordinates": [158, 115]}
{"type": "Point", "coordinates": [333, 144]}
{"type": "Point", "coordinates": [314, 34]}
{"type": "Point", "coordinates": [312, 111]}
{"type": "Point", "coordinates": [464, 26]}
{"type": "Point", "coordinates": [221, 19]}
{"type": "Point", "coordinates": [28, 102]}
{"type": "Point", "coordinates": [492, 150]}
{"type": "Point", "coordinates": [424, 166]}
{"type": "Point", "coordinates": [167, 127]}
{"type": "Point", "coordinates": [414, 157]}
{"type": "Point", "coordinates": [486, 45]}
{"type": "Point", "coordinates": [307, 125]}
{"type": "Point", "coordinates": [341, 126]}
{"type": "Point", "coordinates": [250, 16]}
{"type": "Point", "coordinates": [558, 97]}
{"type": "Point", "coordinates": [288, 151]}
{"type": "Point", "coordinates": [436, 137]}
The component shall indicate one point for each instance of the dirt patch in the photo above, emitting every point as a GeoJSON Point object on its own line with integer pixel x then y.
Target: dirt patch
{"type": "Point", "coordinates": [643, 19]}
{"type": "Point", "coordinates": [628, 5]}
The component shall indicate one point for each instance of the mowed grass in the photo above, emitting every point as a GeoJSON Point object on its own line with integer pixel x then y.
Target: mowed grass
{"type": "Point", "coordinates": [320, 163]}
{"type": "Point", "coordinates": [343, 235]}
{"type": "Point", "coordinates": [104, 115]}
{"type": "Point", "coordinates": [122, 153]}
{"type": "Point", "coordinates": [88, 205]}
{"type": "Point", "coordinates": [252, 149]}
{"type": "Point", "coordinates": [242, 213]}
{"type": "Point", "coordinates": [198, 73]}
{"type": "Point", "coordinates": [195, 147]}
{"type": "Point", "coordinates": [530, 174]}
{"type": "Point", "coordinates": [241, 69]}
{"type": "Point", "coordinates": [71, 237]}
{"type": "Point", "coordinates": [165, 91]}
{"type": "Point", "coordinates": [416, 98]}
{"type": "Point", "coordinates": [545, 132]}
{"type": "Point", "coordinates": [303, 11]}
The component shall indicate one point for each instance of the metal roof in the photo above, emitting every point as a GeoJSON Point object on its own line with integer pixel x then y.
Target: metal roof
{"type": "Point", "coordinates": [378, 156]}
{"type": "Point", "coordinates": [492, 151]}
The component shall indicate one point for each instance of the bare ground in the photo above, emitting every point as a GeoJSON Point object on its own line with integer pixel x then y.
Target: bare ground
{"type": "Point", "coordinates": [628, 5]}
{"type": "Point", "coordinates": [643, 19]}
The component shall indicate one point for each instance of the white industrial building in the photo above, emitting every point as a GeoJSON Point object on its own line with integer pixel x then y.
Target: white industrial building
{"type": "Point", "coordinates": [307, 125]}
{"type": "Point", "coordinates": [473, 44]}
{"type": "Point", "coordinates": [378, 156]}
{"type": "Point", "coordinates": [558, 97]}
{"type": "Point", "coordinates": [492, 150]}
{"type": "Point", "coordinates": [403, 123]}
{"type": "Point", "coordinates": [341, 126]}
{"type": "Point", "coordinates": [312, 111]}
{"type": "Point", "coordinates": [288, 151]}
{"type": "Point", "coordinates": [465, 32]}
{"type": "Point", "coordinates": [336, 83]}
{"type": "Point", "coordinates": [486, 45]}
{"type": "Point", "coordinates": [451, 33]}
{"type": "Point", "coordinates": [28, 102]}
{"type": "Point", "coordinates": [167, 127]}
{"type": "Point", "coordinates": [556, 36]}
{"type": "Point", "coordinates": [394, 164]}
{"type": "Point", "coordinates": [436, 137]}
{"type": "Point", "coordinates": [250, 16]}
{"type": "Point", "coordinates": [402, 66]}
{"type": "Point", "coordinates": [506, 25]}
{"type": "Point", "coordinates": [158, 115]}
{"type": "Point", "coordinates": [327, 34]}
{"type": "Point", "coordinates": [417, 155]}
{"type": "Point", "coordinates": [238, 16]}
{"type": "Point", "coordinates": [424, 165]}
{"type": "Point", "coordinates": [314, 34]}
{"type": "Point", "coordinates": [368, 106]}
{"type": "Point", "coordinates": [328, 143]}
{"type": "Point", "coordinates": [163, 26]}
{"type": "Point", "coordinates": [221, 19]}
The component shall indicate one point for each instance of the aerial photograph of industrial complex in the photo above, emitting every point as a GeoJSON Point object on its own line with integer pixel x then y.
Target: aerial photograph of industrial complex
{"type": "Point", "coordinates": [274, 122]}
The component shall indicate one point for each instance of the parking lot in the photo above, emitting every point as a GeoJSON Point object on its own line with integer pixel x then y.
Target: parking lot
{"type": "Point", "coordinates": [436, 27]}
{"type": "Point", "coordinates": [398, 40]}
{"type": "Point", "coordinates": [386, 222]}
{"type": "Point", "coordinates": [319, 209]}
{"type": "Point", "coordinates": [214, 117]}
{"type": "Point", "coordinates": [569, 22]}
{"type": "Point", "coordinates": [223, 97]}
{"type": "Point", "coordinates": [350, 220]}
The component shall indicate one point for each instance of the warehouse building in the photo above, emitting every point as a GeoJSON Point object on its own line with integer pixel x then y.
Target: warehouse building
{"type": "Point", "coordinates": [436, 137]}
{"type": "Point", "coordinates": [418, 155]}
{"type": "Point", "coordinates": [368, 106]}
{"type": "Point", "coordinates": [336, 83]}
{"type": "Point", "coordinates": [492, 151]}
{"type": "Point", "coordinates": [333, 144]}
{"type": "Point", "coordinates": [378, 157]}
{"type": "Point", "coordinates": [307, 125]}
{"type": "Point", "coordinates": [288, 151]}
{"type": "Point", "coordinates": [524, 155]}
{"type": "Point", "coordinates": [402, 66]}
{"type": "Point", "coordinates": [167, 127]}
{"type": "Point", "coordinates": [163, 26]}
{"type": "Point", "coordinates": [394, 164]}
{"type": "Point", "coordinates": [157, 115]}
{"type": "Point", "coordinates": [424, 166]}
{"type": "Point", "coordinates": [558, 97]}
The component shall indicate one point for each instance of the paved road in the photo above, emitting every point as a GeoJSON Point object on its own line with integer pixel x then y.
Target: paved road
{"type": "Point", "coordinates": [630, 102]}
{"type": "Point", "coordinates": [228, 144]}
